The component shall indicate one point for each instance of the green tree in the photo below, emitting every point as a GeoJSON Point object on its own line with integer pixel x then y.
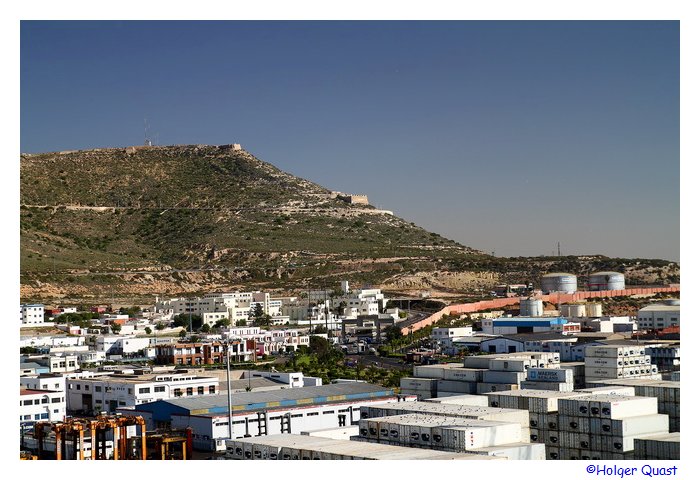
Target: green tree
{"type": "Point", "coordinates": [182, 334]}
{"type": "Point", "coordinates": [392, 332]}
{"type": "Point", "coordinates": [258, 312]}
{"type": "Point", "coordinates": [205, 328]}
{"type": "Point", "coordinates": [340, 309]}
{"type": "Point", "coordinates": [224, 322]}
{"type": "Point", "coordinates": [148, 330]}
{"type": "Point", "coordinates": [160, 326]}
{"type": "Point", "coordinates": [241, 323]}
{"type": "Point", "coordinates": [183, 320]}
{"type": "Point", "coordinates": [116, 328]}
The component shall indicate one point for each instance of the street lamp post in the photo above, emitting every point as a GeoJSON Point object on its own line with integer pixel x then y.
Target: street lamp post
{"type": "Point", "coordinates": [228, 387]}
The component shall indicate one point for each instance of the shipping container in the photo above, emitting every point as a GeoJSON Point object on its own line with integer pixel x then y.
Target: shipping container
{"type": "Point", "coordinates": [473, 400]}
{"type": "Point", "coordinates": [456, 386]}
{"type": "Point", "coordinates": [464, 374]}
{"type": "Point", "coordinates": [493, 376]}
{"type": "Point", "coordinates": [550, 375]}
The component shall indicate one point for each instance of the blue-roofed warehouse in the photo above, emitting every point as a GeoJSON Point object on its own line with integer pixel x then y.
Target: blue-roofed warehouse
{"type": "Point", "coordinates": [291, 410]}
{"type": "Point", "coordinates": [513, 325]}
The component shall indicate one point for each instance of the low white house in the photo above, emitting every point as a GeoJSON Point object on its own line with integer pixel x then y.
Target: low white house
{"type": "Point", "coordinates": [38, 405]}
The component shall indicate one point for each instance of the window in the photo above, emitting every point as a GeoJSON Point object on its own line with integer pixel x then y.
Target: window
{"type": "Point", "coordinates": [212, 389]}
{"type": "Point", "coordinates": [312, 414]}
{"type": "Point", "coordinates": [27, 417]}
{"type": "Point", "coordinates": [87, 388]}
{"type": "Point", "coordinates": [158, 389]}
{"type": "Point", "coordinates": [121, 404]}
{"type": "Point", "coordinates": [145, 390]}
{"type": "Point", "coordinates": [177, 392]}
{"type": "Point", "coordinates": [44, 400]}
{"type": "Point", "coordinates": [55, 410]}
{"type": "Point", "coordinates": [37, 401]}
{"type": "Point", "coordinates": [98, 388]}
{"type": "Point", "coordinates": [200, 390]}
{"type": "Point", "coordinates": [44, 416]}
{"type": "Point", "coordinates": [55, 400]}
{"type": "Point", "coordinates": [37, 416]}
{"type": "Point", "coordinates": [27, 402]}
{"type": "Point", "coordinates": [131, 390]}
{"type": "Point", "coordinates": [189, 391]}
{"type": "Point", "coordinates": [77, 387]}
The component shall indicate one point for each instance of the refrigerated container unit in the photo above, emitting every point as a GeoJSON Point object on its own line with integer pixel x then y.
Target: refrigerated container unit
{"type": "Point", "coordinates": [556, 387]}
{"type": "Point", "coordinates": [465, 374]}
{"type": "Point", "coordinates": [433, 371]}
{"type": "Point", "coordinates": [463, 411]}
{"type": "Point", "coordinates": [484, 387]}
{"type": "Point", "coordinates": [456, 386]}
{"type": "Point", "coordinates": [471, 400]}
{"type": "Point", "coordinates": [667, 393]}
{"type": "Point", "coordinates": [666, 446]}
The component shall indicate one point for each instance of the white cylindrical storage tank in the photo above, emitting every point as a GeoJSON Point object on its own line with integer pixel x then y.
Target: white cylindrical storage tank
{"type": "Point", "coordinates": [559, 282]}
{"type": "Point", "coordinates": [606, 281]}
{"type": "Point", "coordinates": [531, 307]}
{"type": "Point", "coordinates": [573, 310]}
{"type": "Point", "coordinates": [594, 309]}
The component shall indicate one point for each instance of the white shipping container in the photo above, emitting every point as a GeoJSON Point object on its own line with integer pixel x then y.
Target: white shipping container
{"type": "Point", "coordinates": [473, 400]}
{"type": "Point", "coordinates": [455, 386]}
{"type": "Point", "coordinates": [609, 406]}
{"type": "Point", "coordinates": [412, 383]}
{"type": "Point", "coordinates": [557, 387]}
{"type": "Point", "coordinates": [517, 451]}
{"type": "Point", "coordinates": [494, 387]}
{"type": "Point", "coordinates": [508, 365]}
{"type": "Point", "coordinates": [492, 376]}
{"type": "Point", "coordinates": [464, 374]}
{"type": "Point", "coordinates": [639, 425]}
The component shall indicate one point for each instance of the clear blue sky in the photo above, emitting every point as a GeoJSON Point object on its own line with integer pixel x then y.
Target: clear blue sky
{"type": "Point", "coordinates": [505, 136]}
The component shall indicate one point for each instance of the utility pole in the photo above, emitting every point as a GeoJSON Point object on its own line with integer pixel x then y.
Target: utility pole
{"type": "Point", "coordinates": [227, 346]}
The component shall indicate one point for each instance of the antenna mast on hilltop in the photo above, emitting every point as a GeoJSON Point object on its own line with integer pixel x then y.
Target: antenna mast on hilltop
{"type": "Point", "coordinates": [146, 140]}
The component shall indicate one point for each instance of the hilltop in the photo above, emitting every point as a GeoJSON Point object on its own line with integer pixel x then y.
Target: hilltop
{"type": "Point", "coordinates": [141, 221]}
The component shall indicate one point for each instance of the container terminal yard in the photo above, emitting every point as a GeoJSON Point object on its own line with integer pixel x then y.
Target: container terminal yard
{"type": "Point", "coordinates": [563, 384]}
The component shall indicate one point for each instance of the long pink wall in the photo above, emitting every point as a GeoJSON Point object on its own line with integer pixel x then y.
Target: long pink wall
{"type": "Point", "coordinates": [552, 298]}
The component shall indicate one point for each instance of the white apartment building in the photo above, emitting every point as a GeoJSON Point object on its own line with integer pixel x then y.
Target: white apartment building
{"type": "Point", "coordinates": [450, 332]}
{"type": "Point", "coordinates": [107, 393]}
{"type": "Point", "coordinates": [56, 383]}
{"type": "Point", "coordinates": [31, 314]}
{"type": "Point", "coordinates": [659, 315]}
{"type": "Point", "coordinates": [41, 405]}
{"type": "Point", "coordinates": [56, 363]}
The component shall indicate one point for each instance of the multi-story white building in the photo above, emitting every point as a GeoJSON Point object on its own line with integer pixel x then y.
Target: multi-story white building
{"type": "Point", "coordinates": [38, 405]}
{"type": "Point", "coordinates": [660, 315]}
{"type": "Point", "coordinates": [107, 393]}
{"type": "Point", "coordinates": [31, 314]}
{"type": "Point", "coordinates": [56, 363]}
{"type": "Point", "coordinates": [56, 383]}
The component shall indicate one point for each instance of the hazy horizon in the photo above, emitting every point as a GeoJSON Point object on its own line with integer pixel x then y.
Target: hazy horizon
{"type": "Point", "coordinates": [508, 137]}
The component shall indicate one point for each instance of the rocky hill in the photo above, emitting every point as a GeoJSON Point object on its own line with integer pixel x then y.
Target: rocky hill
{"type": "Point", "coordinates": [135, 222]}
